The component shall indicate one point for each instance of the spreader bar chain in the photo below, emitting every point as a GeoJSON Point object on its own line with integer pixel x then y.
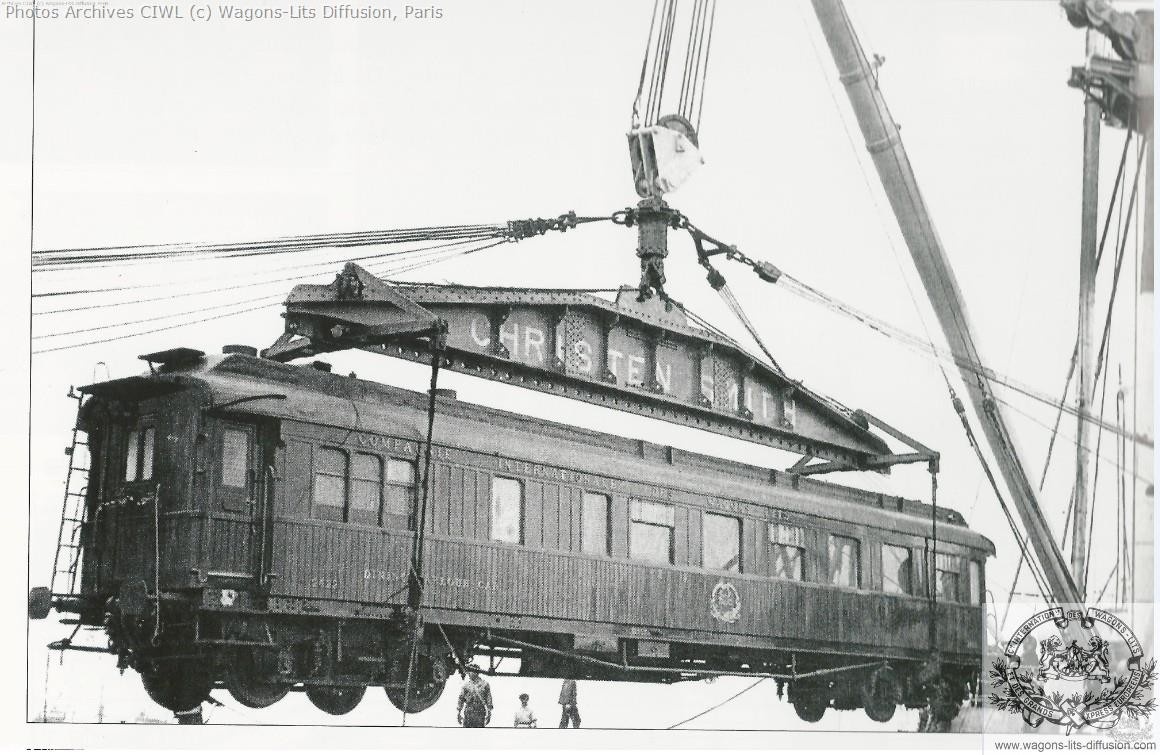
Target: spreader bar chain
{"type": "Point", "coordinates": [522, 229]}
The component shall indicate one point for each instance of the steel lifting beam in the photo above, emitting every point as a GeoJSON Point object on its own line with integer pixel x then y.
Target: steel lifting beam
{"type": "Point", "coordinates": [634, 356]}
{"type": "Point", "coordinates": [934, 268]}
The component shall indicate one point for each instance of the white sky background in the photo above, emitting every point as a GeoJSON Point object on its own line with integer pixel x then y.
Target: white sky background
{"type": "Point", "coordinates": [180, 131]}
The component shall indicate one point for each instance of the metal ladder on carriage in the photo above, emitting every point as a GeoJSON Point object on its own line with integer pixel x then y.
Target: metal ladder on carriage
{"type": "Point", "coordinates": [66, 561]}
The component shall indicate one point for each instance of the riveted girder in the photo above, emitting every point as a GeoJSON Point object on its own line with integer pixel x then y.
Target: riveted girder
{"type": "Point", "coordinates": [639, 357]}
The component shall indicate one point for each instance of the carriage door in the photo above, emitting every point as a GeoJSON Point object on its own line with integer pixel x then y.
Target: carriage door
{"type": "Point", "coordinates": [238, 486]}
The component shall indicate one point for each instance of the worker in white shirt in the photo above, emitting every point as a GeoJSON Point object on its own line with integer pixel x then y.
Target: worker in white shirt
{"type": "Point", "coordinates": [525, 716]}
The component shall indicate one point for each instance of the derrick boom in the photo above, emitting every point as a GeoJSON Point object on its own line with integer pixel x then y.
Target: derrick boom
{"type": "Point", "coordinates": [938, 278]}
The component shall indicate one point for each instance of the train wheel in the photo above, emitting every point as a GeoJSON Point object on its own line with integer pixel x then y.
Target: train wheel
{"type": "Point", "coordinates": [428, 678]}
{"type": "Point", "coordinates": [244, 682]}
{"type": "Point", "coordinates": [810, 703]}
{"type": "Point", "coordinates": [178, 686]}
{"type": "Point", "coordinates": [880, 695]}
{"type": "Point", "coordinates": [337, 701]}
{"type": "Point", "coordinates": [942, 707]}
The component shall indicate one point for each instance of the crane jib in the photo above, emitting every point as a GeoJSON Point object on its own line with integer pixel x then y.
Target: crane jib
{"type": "Point", "coordinates": [639, 357]}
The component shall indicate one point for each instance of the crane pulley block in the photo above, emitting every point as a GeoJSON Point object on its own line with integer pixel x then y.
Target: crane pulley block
{"type": "Point", "coordinates": [663, 155]}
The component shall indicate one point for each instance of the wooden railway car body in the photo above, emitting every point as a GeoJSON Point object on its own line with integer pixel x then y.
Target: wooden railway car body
{"type": "Point", "coordinates": [250, 524]}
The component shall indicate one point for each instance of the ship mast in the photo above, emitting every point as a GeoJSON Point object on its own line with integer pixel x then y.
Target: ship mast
{"type": "Point", "coordinates": [1118, 92]}
{"type": "Point", "coordinates": [1085, 351]}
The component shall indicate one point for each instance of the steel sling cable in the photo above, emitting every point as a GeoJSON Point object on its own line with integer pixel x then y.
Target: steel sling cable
{"type": "Point", "coordinates": [945, 355]}
{"type": "Point", "coordinates": [141, 300]}
{"type": "Point", "coordinates": [926, 347]}
{"type": "Point", "coordinates": [661, 62]}
{"type": "Point", "coordinates": [416, 598]}
{"type": "Point", "coordinates": [212, 308]}
{"type": "Point", "coordinates": [167, 252]}
{"type": "Point", "coordinates": [687, 68]}
{"type": "Point", "coordinates": [215, 317]}
{"type": "Point", "coordinates": [644, 67]}
{"type": "Point", "coordinates": [768, 273]}
{"type": "Point", "coordinates": [705, 69]}
{"type": "Point", "coordinates": [513, 230]}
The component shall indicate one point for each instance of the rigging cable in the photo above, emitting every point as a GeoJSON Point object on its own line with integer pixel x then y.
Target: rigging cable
{"type": "Point", "coordinates": [729, 699]}
{"type": "Point", "coordinates": [161, 284]}
{"type": "Point", "coordinates": [644, 68]}
{"type": "Point", "coordinates": [221, 316]}
{"type": "Point", "coordinates": [705, 70]}
{"type": "Point", "coordinates": [227, 304]}
{"type": "Point", "coordinates": [513, 230]}
{"type": "Point", "coordinates": [438, 342]}
{"type": "Point", "coordinates": [1032, 565]}
{"type": "Point", "coordinates": [1112, 203]}
{"type": "Point", "coordinates": [912, 341]}
{"type": "Point", "coordinates": [1104, 353]}
{"type": "Point", "coordinates": [1099, 256]}
{"type": "Point", "coordinates": [771, 274]}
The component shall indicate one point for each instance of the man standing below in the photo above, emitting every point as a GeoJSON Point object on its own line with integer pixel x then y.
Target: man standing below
{"type": "Point", "coordinates": [568, 709]}
{"type": "Point", "coordinates": [474, 701]}
{"type": "Point", "coordinates": [525, 716]}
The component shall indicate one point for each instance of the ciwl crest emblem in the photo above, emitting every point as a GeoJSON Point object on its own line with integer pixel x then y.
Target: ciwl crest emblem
{"type": "Point", "coordinates": [1073, 663]}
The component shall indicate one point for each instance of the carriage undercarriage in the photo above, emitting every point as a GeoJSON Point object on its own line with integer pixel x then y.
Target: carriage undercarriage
{"type": "Point", "coordinates": [187, 652]}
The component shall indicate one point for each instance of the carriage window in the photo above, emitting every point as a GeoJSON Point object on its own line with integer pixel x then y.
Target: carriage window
{"type": "Point", "coordinates": [721, 542]}
{"type": "Point", "coordinates": [594, 524]}
{"type": "Point", "coordinates": [787, 551]}
{"type": "Point", "coordinates": [366, 489]}
{"type": "Point", "coordinates": [132, 451]}
{"type": "Point", "coordinates": [976, 583]}
{"type": "Point", "coordinates": [946, 577]}
{"type": "Point", "coordinates": [235, 449]}
{"type": "Point", "coordinates": [139, 454]}
{"type": "Point", "coordinates": [845, 562]}
{"type": "Point", "coordinates": [329, 483]}
{"type": "Point", "coordinates": [651, 532]}
{"type": "Point", "coordinates": [896, 570]}
{"type": "Point", "coordinates": [400, 493]}
{"type": "Point", "coordinates": [147, 440]}
{"type": "Point", "coordinates": [507, 510]}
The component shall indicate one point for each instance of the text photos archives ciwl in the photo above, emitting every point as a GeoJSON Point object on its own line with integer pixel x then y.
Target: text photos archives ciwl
{"type": "Point", "coordinates": [395, 392]}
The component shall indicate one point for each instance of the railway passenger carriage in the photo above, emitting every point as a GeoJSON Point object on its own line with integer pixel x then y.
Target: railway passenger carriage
{"type": "Point", "coordinates": [251, 524]}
